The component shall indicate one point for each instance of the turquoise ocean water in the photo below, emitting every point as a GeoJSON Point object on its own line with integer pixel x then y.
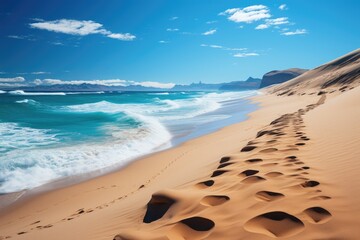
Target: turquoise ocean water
{"type": "Point", "coordinates": [49, 136]}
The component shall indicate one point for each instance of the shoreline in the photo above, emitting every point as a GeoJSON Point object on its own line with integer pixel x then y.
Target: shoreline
{"type": "Point", "coordinates": [122, 195]}
{"type": "Point", "coordinates": [132, 166]}
{"type": "Point", "coordinates": [7, 199]}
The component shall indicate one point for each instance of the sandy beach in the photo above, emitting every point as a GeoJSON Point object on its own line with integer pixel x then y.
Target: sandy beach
{"type": "Point", "coordinates": [290, 171]}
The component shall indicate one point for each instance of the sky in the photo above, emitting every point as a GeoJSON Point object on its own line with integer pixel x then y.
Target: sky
{"type": "Point", "coordinates": [162, 42]}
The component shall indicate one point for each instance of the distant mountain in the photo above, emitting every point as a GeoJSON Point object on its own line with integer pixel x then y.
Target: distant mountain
{"type": "Point", "coordinates": [276, 77]}
{"type": "Point", "coordinates": [250, 83]}
{"type": "Point", "coordinates": [197, 87]}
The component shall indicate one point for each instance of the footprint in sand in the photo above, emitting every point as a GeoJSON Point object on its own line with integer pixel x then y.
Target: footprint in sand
{"type": "Point", "coordinates": [225, 159]}
{"type": "Point", "coordinates": [269, 150]}
{"type": "Point", "coordinates": [35, 222]}
{"type": "Point", "coordinates": [198, 223]}
{"type": "Point", "coordinates": [225, 165]}
{"type": "Point", "coordinates": [321, 198]}
{"type": "Point", "coordinates": [311, 183]}
{"type": "Point", "coordinates": [191, 228]}
{"type": "Point", "coordinates": [248, 172]}
{"type": "Point", "coordinates": [275, 224]}
{"type": "Point", "coordinates": [269, 164]}
{"type": "Point", "coordinates": [318, 215]}
{"type": "Point", "coordinates": [205, 184]}
{"type": "Point", "coordinates": [158, 205]}
{"type": "Point", "coordinates": [248, 148]}
{"type": "Point", "coordinates": [214, 200]}
{"type": "Point", "coordinates": [253, 179]}
{"type": "Point", "coordinates": [218, 173]}
{"type": "Point", "coordinates": [274, 174]}
{"type": "Point", "coordinates": [254, 160]}
{"type": "Point", "coordinates": [269, 196]}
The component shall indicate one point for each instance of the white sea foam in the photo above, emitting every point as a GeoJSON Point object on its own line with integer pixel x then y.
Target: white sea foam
{"type": "Point", "coordinates": [14, 136]}
{"type": "Point", "coordinates": [76, 93]}
{"type": "Point", "coordinates": [22, 169]}
{"type": "Point", "coordinates": [166, 109]}
{"type": "Point", "coordinates": [21, 92]}
{"type": "Point", "coordinates": [2, 92]}
{"type": "Point", "coordinates": [160, 93]}
{"type": "Point", "coordinates": [33, 159]}
{"type": "Point", "coordinates": [27, 101]}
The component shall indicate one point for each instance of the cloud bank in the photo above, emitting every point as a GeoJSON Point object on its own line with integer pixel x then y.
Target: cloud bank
{"type": "Point", "coordinates": [247, 15]}
{"type": "Point", "coordinates": [244, 55]}
{"type": "Point", "coordinates": [296, 32]}
{"type": "Point", "coordinates": [273, 22]}
{"type": "Point", "coordinates": [80, 28]}
{"type": "Point", "coordinates": [21, 82]}
{"type": "Point", "coordinates": [257, 13]}
{"type": "Point", "coordinates": [210, 32]}
{"type": "Point", "coordinates": [12, 80]}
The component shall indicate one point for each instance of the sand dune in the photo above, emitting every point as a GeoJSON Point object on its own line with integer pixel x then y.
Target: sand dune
{"type": "Point", "coordinates": [291, 171]}
{"type": "Point", "coordinates": [342, 73]}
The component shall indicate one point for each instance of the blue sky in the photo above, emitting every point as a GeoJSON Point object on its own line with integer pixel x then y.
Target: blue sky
{"type": "Point", "coordinates": [173, 41]}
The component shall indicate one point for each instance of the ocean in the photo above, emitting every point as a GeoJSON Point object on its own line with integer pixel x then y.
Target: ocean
{"type": "Point", "coordinates": [49, 136]}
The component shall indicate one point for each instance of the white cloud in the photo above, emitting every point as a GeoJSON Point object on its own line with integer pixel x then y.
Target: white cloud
{"type": "Point", "coordinates": [155, 84]}
{"type": "Point", "coordinates": [273, 22]}
{"type": "Point", "coordinates": [163, 41]}
{"type": "Point", "coordinates": [172, 29]}
{"type": "Point", "coordinates": [243, 55]}
{"type": "Point", "coordinates": [283, 7]}
{"type": "Point", "coordinates": [40, 73]}
{"type": "Point", "coordinates": [57, 43]}
{"type": "Point", "coordinates": [262, 26]}
{"type": "Point", "coordinates": [12, 80]}
{"type": "Point", "coordinates": [73, 27]}
{"type": "Point", "coordinates": [16, 37]}
{"type": "Point", "coordinates": [37, 82]}
{"type": "Point", "coordinates": [122, 36]}
{"type": "Point", "coordinates": [277, 21]}
{"type": "Point", "coordinates": [296, 32]}
{"type": "Point", "coordinates": [22, 37]}
{"type": "Point", "coordinates": [106, 82]}
{"type": "Point", "coordinates": [211, 22]}
{"type": "Point", "coordinates": [11, 85]}
{"type": "Point", "coordinates": [215, 46]}
{"type": "Point", "coordinates": [174, 18]}
{"type": "Point", "coordinates": [235, 49]}
{"type": "Point", "coordinates": [210, 32]}
{"type": "Point", "coordinates": [37, 19]}
{"type": "Point", "coordinates": [80, 28]}
{"type": "Point", "coordinates": [248, 15]}
{"type": "Point", "coordinates": [222, 47]}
